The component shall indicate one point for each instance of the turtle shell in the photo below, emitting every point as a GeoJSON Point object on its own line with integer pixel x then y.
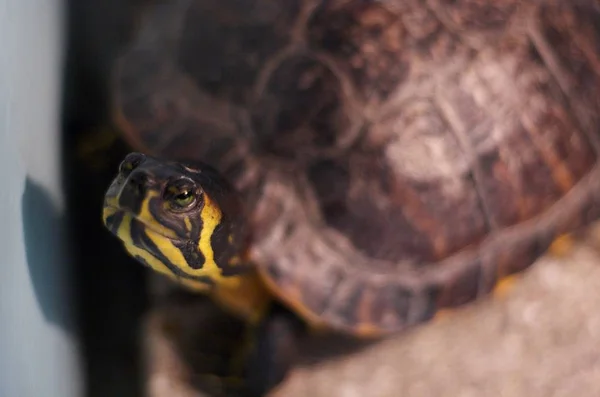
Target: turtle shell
{"type": "Point", "coordinates": [396, 157]}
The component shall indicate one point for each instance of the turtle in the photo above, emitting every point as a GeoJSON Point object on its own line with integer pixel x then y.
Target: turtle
{"type": "Point", "coordinates": [365, 165]}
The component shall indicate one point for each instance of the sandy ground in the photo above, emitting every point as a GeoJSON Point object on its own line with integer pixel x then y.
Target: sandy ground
{"type": "Point", "coordinates": [542, 338]}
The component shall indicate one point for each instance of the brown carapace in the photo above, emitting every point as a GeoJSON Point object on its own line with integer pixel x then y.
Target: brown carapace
{"type": "Point", "coordinates": [395, 157]}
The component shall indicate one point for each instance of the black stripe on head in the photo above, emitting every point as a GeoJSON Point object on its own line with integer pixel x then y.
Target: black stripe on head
{"type": "Point", "coordinates": [137, 233]}
{"type": "Point", "coordinates": [141, 239]}
{"type": "Point", "coordinates": [131, 199]}
{"type": "Point", "coordinates": [174, 223]}
{"type": "Point", "coordinates": [193, 256]}
{"type": "Point", "coordinates": [142, 261]}
{"type": "Point", "coordinates": [221, 247]}
{"type": "Point", "coordinates": [114, 221]}
{"type": "Point", "coordinates": [224, 249]}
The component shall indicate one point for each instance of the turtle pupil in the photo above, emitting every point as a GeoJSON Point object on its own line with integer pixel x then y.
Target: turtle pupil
{"type": "Point", "coordinates": [183, 195]}
{"type": "Point", "coordinates": [183, 199]}
{"type": "Point", "coordinates": [180, 194]}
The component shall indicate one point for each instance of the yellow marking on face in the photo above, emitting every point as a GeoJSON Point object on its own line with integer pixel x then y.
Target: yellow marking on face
{"type": "Point", "coordinates": [211, 217]}
{"type": "Point", "coordinates": [235, 260]}
{"type": "Point", "coordinates": [167, 248]}
{"type": "Point", "coordinates": [230, 238]}
{"type": "Point", "coordinates": [111, 206]}
{"type": "Point", "coordinates": [160, 267]}
{"type": "Point", "coordinates": [174, 255]}
{"type": "Point", "coordinates": [110, 202]}
{"type": "Point", "coordinates": [197, 286]}
{"type": "Point", "coordinates": [107, 212]}
{"type": "Point", "coordinates": [124, 234]}
{"type": "Point", "coordinates": [188, 224]}
{"type": "Point", "coordinates": [244, 296]}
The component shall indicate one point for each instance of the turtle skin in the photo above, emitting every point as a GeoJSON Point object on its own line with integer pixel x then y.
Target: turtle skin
{"type": "Point", "coordinates": [395, 157]}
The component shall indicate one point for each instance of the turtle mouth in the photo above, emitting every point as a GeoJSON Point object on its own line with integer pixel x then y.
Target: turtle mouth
{"type": "Point", "coordinates": [113, 217]}
{"type": "Point", "coordinates": [132, 232]}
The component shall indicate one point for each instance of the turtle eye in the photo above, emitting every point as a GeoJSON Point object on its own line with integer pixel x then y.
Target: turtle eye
{"type": "Point", "coordinates": [130, 162]}
{"type": "Point", "coordinates": [184, 198]}
{"type": "Point", "coordinates": [181, 195]}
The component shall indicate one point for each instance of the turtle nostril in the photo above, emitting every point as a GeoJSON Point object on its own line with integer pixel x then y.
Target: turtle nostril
{"type": "Point", "coordinates": [137, 182]}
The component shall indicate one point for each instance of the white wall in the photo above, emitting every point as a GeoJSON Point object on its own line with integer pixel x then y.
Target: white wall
{"type": "Point", "coordinates": [38, 354]}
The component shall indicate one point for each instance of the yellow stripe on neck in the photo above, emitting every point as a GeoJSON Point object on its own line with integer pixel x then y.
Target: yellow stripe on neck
{"type": "Point", "coordinates": [124, 233]}
{"type": "Point", "coordinates": [248, 299]}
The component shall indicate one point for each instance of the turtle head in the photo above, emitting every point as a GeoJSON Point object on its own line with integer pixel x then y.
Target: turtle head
{"type": "Point", "coordinates": [180, 219]}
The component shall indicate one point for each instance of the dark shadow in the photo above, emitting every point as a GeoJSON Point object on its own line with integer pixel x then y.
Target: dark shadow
{"type": "Point", "coordinates": [204, 337]}
{"type": "Point", "coordinates": [109, 288]}
{"type": "Point", "coordinates": [44, 236]}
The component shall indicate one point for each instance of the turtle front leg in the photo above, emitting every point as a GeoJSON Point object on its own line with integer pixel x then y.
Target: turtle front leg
{"type": "Point", "coordinates": [218, 352]}
{"type": "Point", "coordinates": [270, 351]}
